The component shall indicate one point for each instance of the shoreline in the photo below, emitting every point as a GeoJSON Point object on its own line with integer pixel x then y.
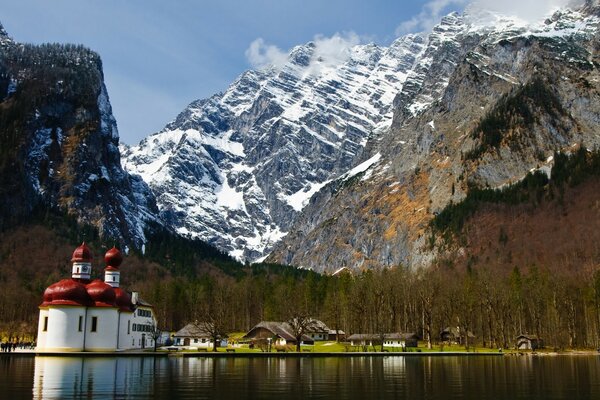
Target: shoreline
{"type": "Point", "coordinates": [208, 354]}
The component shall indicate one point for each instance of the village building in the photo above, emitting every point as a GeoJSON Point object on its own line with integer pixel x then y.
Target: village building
{"type": "Point", "coordinates": [397, 340]}
{"type": "Point", "coordinates": [278, 334]}
{"type": "Point", "coordinates": [336, 335]}
{"type": "Point", "coordinates": [81, 314]}
{"type": "Point", "coordinates": [455, 335]}
{"type": "Point", "coordinates": [317, 330]}
{"type": "Point", "coordinates": [529, 342]}
{"type": "Point", "coordinates": [196, 336]}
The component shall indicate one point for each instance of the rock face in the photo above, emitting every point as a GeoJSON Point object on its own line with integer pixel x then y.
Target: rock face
{"type": "Point", "coordinates": [235, 169]}
{"type": "Point", "coordinates": [485, 107]}
{"type": "Point", "coordinates": [60, 142]}
{"type": "Point", "coordinates": [344, 163]}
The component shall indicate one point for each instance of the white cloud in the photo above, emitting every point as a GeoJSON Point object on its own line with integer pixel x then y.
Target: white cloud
{"type": "Point", "coordinates": [329, 52]}
{"type": "Point", "coordinates": [527, 10]}
{"type": "Point", "coordinates": [430, 15]}
{"type": "Point", "coordinates": [260, 54]}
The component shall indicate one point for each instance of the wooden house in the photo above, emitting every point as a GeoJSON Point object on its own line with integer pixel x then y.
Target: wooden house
{"type": "Point", "coordinates": [529, 342]}
{"type": "Point", "coordinates": [454, 335]}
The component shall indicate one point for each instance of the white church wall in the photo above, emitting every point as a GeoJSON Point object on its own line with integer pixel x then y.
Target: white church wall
{"type": "Point", "coordinates": [104, 338]}
{"type": "Point", "coordinates": [63, 333]}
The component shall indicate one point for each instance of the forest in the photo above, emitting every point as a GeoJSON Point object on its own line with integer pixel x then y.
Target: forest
{"type": "Point", "coordinates": [188, 280]}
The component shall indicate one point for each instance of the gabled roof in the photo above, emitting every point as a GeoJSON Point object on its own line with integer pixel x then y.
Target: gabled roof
{"type": "Point", "coordinates": [281, 329]}
{"type": "Point", "coordinates": [386, 336]}
{"type": "Point", "coordinates": [528, 336]}
{"type": "Point", "coordinates": [193, 330]}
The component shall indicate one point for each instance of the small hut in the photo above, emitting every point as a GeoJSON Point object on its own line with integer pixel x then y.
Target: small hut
{"type": "Point", "coordinates": [529, 342]}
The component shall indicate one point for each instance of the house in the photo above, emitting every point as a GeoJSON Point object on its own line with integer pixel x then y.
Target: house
{"type": "Point", "coordinates": [317, 330]}
{"type": "Point", "coordinates": [336, 334]}
{"type": "Point", "coordinates": [529, 342]}
{"type": "Point", "coordinates": [277, 333]}
{"type": "Point", "coordinates": [454, 335]}
{"type": "Point", "coordinates": [389, 339]}
{"type": "Point", "coordinates": [84, 314]}
{"type": "Point", "coordinates": [195, 335]}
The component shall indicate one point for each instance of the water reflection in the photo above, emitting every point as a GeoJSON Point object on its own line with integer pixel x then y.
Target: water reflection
{"type": "Point", "coordinates": [301, 378]}
{"type": "Point", "coordinates": [79, 377]}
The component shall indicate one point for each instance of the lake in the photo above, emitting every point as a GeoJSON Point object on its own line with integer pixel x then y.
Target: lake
{"type": "Point", "coordinates": [424, 377]}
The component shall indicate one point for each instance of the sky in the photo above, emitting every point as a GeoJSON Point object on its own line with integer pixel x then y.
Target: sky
{"type": "Point", "coordinates": [158, 56]}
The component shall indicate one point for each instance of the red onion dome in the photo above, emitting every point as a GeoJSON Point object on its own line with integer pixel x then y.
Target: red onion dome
{"type": "Point", "coordinates": [123, 300]}
{"type": "Point", "coordinates": [68, 292]}
{"type": "Point", "coordinates": [102, 294]}
{"type": "Point", "coordinates": [82, 254]}
{"type": "Point", "coordinates": [113, 258]}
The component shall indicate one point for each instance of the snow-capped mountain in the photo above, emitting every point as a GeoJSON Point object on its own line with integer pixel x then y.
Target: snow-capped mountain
{"type": "Point", "coordinates": [481, 110]}
{"type": "Point", "coordinates": [239, 168]}
{"type": "Point", "coordinates": [235, 169]}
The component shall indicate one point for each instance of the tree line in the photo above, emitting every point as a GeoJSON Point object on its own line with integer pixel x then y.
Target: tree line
{"type": "Point", "coordinates": [561, 307]}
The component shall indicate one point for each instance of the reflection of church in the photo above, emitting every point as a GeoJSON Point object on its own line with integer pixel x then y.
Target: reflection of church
{"type": "Point", "coordinates": [94, 377]}
{"type": "Point", "coordinates": [80, 314]}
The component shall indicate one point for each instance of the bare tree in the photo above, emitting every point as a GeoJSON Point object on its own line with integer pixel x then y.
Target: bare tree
{"type": "Point", "coordinates": [301, 324]}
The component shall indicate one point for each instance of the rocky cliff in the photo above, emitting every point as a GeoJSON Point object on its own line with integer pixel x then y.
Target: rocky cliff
{"type": "Point", "coordinates": [60, 142]}
{"type": "Point", "coordinates": [490, 105]}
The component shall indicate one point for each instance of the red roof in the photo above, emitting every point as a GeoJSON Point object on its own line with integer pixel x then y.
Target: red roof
{"type": "Point", "coordinates": [69, 292]}
{"type": "Point", "coordinates": [113, 258]}
{"type": "Point", "coordinates": [82, 254]}
{"type": "Point", "coordinates": [102, 294]}
{"type": "Point", "coordinates": [123, 300]}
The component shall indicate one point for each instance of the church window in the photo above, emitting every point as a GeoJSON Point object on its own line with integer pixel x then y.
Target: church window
{"type": "Point", "coordinates": [94, 324]}
{"type": "Point", "coordinates": [128, 327]}
{"type": "Point", "coordinates": [113, 278]}
{"type": "Point", "coordinates": [80, 325]}
{"type": "Point", "coordinates": [45, 324]}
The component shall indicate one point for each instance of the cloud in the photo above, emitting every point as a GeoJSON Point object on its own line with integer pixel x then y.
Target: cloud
{"type": "Point", "coordinates": [328, 52]}
{"type": "Point", "coordinates": [331, 51]}
{"type": "Point", "coordinates": [260, 54]}
{"type": "Point", "coordinates": [527, 10]}
{"type": "Point", "coordinates": [430, 15]}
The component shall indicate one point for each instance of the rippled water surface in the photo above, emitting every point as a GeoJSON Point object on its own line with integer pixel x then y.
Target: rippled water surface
{"type": "Point", "coordinates": [560, 377]}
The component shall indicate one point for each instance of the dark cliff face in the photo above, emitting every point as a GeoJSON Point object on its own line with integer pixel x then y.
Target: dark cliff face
{"type": "Point", "coordinates": [60, 142]}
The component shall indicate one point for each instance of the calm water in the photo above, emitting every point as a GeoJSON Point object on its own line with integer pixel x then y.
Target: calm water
{"type": "Point", "coordinates": [561, 377]}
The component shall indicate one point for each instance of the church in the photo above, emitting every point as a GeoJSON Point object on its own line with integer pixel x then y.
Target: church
{"type": "Point", "coordinates": [81, 314]}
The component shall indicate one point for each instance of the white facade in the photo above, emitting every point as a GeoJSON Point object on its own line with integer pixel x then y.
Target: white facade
{"type": "Point", "coordinates": [82, 315]}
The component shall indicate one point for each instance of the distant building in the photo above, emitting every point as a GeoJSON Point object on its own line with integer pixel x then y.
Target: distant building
{"type": "Point", "coordinates": [395, 339]}
{"type": "Point", "coordinates": [454, 335]}
{"type": "Point", "coordinates": [529, 342]}
{"type": "Point", "coordinates": [195, 335]}
{"type": "Point", "coordinates": [81, 314]}
{"type": "Point", "coordinates": [278, 333]}
{"type": "Point", "coordinates": [337, 335]}
{"type": "Point", "coordinates": [317, 330]}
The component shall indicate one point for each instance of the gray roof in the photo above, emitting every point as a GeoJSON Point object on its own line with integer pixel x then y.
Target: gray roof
{"type": "Point", "coordinates": [528, 336]}
{"type": "Point", "coordinates": [386, 336]}
{"type": "Point", "coordinates": [281, 329]}
{"type": "Point", "coordinates": [193, 330]}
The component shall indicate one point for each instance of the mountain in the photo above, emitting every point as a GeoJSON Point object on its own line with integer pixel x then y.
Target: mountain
{"type": "Point", "coordinates": [330, 163]}
{"type": "Point", "coordinates": [506, 98]}
{"type": "Point", "coordinates": [236, 169]}
{"type": "Point", "coordinates": [60, 143]}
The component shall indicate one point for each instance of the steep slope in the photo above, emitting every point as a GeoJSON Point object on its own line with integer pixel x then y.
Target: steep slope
{"type": "Point", "coordinates": [235, 169]}
{"type": "Point", "coordinates": [59, 142]}
{"type": "Point", "coordinates": [493, 103]}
